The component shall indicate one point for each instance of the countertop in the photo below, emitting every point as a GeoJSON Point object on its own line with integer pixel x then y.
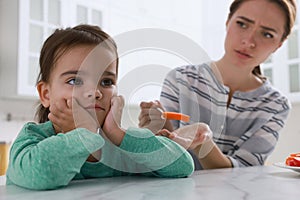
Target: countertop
{"type": "Point", "coordinates": [263, 182]}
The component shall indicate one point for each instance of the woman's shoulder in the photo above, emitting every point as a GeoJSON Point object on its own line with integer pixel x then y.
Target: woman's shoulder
{"type": "Point", "coordinates": [273, 92]}
{"type": "Point", "coordinates": [199, 67]}
{"type": "Point", "coordinates": [188, 70]}
{"type": "Point", "coordinates": [273, 96]}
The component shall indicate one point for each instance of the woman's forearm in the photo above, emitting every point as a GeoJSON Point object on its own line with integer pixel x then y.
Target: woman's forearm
{"type": "Point", "coordinates": [211, 157]}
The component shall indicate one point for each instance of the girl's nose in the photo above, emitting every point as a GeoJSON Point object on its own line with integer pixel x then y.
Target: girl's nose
{"type": "Point", "coordinates": [97, 94]}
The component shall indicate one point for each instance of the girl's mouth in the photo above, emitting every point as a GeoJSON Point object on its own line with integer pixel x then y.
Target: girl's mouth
{"type": "Point", "coordinates": [95, 107]}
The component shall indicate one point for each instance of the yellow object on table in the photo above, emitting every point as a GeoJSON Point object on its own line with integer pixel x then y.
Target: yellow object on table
{"type": "Point", "coordinates": [4, 148]}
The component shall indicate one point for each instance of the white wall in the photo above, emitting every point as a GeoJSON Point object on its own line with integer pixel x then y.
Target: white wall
{"type": "Point", "coordinates": [8, 47]}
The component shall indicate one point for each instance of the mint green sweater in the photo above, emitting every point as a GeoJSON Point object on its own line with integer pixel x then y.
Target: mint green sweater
{"type": "Point", "coordinates": [41, 159]}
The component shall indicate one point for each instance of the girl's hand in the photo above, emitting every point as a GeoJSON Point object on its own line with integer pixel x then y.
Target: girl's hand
{"type": "Point", "coordinates": [190, 136]}
{"type": "Point", "coordinates": [151, 117]}
{"type": "Point", "coordinates": [69, 115]}
{"type": "Point", "coordinates": [61, 115]}
{"type": "Point", "coordinates": [83, 118]}
{"type": "Point", "coordinates": [112, 124]}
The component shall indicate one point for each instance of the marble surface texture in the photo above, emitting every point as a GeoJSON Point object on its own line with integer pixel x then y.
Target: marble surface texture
{"type": "Point", "coordinates": [266, 182]}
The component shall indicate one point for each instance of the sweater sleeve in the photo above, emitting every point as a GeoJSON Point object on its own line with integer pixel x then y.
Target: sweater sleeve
{"type": "Point", "coordinates": [39, 160]}
{"type": "Point", "coordinates": [158, 155]}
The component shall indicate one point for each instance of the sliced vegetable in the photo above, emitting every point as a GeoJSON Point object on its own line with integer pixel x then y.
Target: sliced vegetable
{"type": "Point", "coordinates": [176, 116]}
{"type": "Point", "coordinates": [293, 160]}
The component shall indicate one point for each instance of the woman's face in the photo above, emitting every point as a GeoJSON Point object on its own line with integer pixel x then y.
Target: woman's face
{"type": "Point", "coordinates": [87, 75]}
{"type": "Point", "coordinates": [253, 32]}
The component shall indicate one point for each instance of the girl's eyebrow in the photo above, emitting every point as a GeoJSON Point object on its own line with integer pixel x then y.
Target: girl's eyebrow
{"type": "Point", "coordinates": [76, 72]}
{"type": "Point", "coordinates": [72, 72]}
{"type": "Point", "coordinates": [109, 73]}
{"type": "Point", "coordinates": [252, 22]}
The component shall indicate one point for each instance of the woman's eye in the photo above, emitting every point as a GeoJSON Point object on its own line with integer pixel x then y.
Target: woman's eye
{"type": "Point", "coordinates": [241, 24]}
{"type": "Point", "coordinates": [75, 81]}
{"type": "Point", "coordinates": [107, 82]}
{"type": "Point", "coordinates": [267, 35]}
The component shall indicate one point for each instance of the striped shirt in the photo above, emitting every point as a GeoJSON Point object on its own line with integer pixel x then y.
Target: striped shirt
{"type": "Point", "coordinates": [246, 130]}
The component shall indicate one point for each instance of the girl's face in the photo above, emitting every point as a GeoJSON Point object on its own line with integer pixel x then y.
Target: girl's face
{"type": "Point", "coordinates": [87, 75]}
{"type": "Point", "coordinates": [253, 32]}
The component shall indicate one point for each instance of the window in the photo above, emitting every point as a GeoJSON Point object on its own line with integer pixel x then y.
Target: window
{"type": "Point", "coordinates": [282, 68]}
{"type": "Point", "coordinates": [37, 20]}
{"type": "Point", "coordinates": [294, 78]}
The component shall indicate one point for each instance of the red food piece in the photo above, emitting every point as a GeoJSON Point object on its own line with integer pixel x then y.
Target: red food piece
{"type": "Point", "coordinates": [293, 160]}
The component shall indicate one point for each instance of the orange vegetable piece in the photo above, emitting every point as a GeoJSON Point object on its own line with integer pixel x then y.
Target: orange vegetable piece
{"type": "Point", "coordinates": [176, 116]}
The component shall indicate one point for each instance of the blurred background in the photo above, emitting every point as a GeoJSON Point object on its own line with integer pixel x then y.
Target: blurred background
{"type": "Point", "coordinates": [25, 24]}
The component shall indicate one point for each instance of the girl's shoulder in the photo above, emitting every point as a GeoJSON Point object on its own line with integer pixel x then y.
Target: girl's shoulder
{"type": "Point", "coordinates": [43, 129]}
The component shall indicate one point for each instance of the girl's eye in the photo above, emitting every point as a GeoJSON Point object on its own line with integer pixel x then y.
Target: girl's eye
{"type": "Point", "coordinates": [107, 82]}
{"type": "Point", "coordinates": [241, 24]}
{"type": "Point", "coordinates": [75, 81]}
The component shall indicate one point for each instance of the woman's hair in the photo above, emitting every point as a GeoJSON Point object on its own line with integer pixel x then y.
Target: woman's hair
{"type": "Point", "coordinates": [61, 41]}
{"type": "Point", "coordinates": [289, 8]}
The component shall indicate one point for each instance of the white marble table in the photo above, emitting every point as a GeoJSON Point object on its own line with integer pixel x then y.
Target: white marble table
{"type": "Point", "coordinates": [267, 182]}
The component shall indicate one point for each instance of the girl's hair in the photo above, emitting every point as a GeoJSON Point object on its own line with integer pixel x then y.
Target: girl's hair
{"type": "Point", "coordinates": [60, 42]}
{"type": "Point", "coordinates": [289, 8]}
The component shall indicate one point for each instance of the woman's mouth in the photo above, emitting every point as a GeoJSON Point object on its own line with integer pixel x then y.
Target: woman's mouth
{"type": "Point", "coordinates": [243, 54]}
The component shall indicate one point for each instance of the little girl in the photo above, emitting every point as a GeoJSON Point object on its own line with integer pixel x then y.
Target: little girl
{"type": "Point", "coordinates": [79, 135]}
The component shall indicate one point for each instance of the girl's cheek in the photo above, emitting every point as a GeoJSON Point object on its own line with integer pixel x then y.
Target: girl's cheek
{"type": "Point", "coordinates": [109, 92]}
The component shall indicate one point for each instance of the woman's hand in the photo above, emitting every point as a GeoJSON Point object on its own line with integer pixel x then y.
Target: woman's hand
{"type": "Point", "coordinates": [190, 136]}
{"type": "Point", "coordinates": [151, 117]}
{"type": "Point", "coordinates": [112, 124]}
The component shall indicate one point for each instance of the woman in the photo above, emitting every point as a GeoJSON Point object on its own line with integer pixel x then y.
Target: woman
{"type": "Point", "coordinates": [241, 108]}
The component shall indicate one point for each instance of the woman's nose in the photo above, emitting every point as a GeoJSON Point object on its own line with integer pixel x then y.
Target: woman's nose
{"type": "Point", "coordinates": [249, 40]}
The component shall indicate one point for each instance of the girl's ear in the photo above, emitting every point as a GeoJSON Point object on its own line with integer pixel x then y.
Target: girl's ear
{"type": "Point", "coordinates": [43, 90]}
